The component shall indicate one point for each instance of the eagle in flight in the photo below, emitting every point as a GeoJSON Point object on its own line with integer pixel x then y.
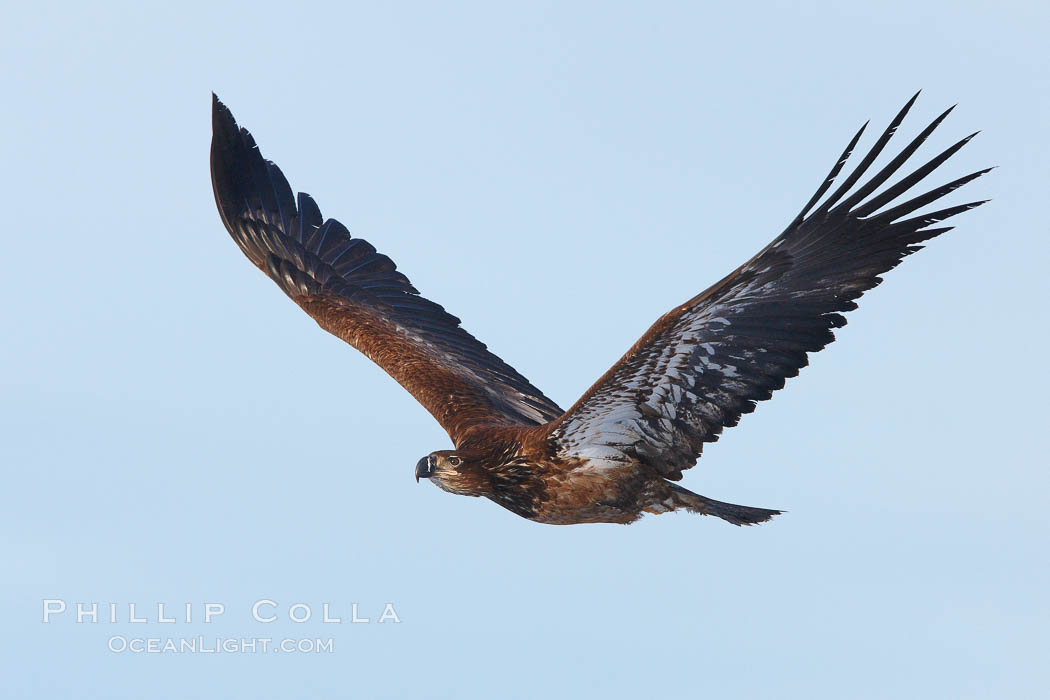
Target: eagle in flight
{"type": "Point", "coordinates": [618, 451]}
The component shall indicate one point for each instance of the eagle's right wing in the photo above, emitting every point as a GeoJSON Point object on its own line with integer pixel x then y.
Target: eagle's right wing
{"type": "Point", "coordinates": [358, 295]}
{"type": "Point", "coordinates": [708, 361]}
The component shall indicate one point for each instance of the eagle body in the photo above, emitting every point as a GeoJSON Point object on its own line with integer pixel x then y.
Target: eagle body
{"type": "Point", "coordinates": [522, 471]}
{"type": "Point", "coordinates": [617, 452]}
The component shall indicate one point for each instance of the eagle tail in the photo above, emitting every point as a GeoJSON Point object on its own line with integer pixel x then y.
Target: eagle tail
{"type": "Point", "coordinates": [731, 513]}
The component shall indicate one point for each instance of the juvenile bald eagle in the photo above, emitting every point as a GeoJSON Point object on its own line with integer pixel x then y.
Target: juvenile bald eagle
{"type": "Point", "coordinates": [616, 453]}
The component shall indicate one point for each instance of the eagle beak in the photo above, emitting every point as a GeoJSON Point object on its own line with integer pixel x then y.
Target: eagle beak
{"type": "Point", "coordinates": [424, 467]}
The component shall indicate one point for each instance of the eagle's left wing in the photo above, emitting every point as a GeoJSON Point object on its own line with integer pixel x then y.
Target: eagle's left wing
{"type": "Point", "coordinates": [708, 361]}
{"type": "Point", "coordinates": [357, 294]}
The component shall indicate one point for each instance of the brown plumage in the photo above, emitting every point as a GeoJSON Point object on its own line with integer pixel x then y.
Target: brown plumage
{"type": "Point", "coordinates": [616, 452]}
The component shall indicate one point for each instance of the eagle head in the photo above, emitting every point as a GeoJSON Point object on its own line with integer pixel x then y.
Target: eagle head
{"type": "Point", "coordinates": [454, 472]}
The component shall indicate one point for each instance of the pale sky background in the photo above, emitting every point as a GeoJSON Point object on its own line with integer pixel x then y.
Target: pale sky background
{"type": "Point", "coordinates": [558, 175]}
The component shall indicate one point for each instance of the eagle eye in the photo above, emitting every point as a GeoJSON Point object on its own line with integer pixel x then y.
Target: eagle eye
{"type": "Point", "coordinates": [454, 461]}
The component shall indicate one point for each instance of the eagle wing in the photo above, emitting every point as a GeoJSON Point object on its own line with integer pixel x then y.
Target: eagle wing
{"type": "Point", "coordinates": [705, 363]}
{"type": "Point", "coordinates": [357, 294]}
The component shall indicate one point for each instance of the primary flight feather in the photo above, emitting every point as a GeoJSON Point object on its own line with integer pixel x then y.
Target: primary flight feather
{"type": "Point", "coordinates": [616, 452]}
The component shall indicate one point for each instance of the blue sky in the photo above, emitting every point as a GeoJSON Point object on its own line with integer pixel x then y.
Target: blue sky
{"type": "Point", "coordinates": [558, 175]}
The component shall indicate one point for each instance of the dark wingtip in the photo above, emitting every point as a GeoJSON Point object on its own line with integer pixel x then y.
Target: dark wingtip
{"type": "Point", "coordinates": [903, 113]}
{"type": "Point", "coordinates": [221, 117]}
{"type": "Point", "coordinates": [969, 206]}
{"type": "Point", "coordinates": [908, 105]}
{"type": "Point", "coordinates": [230, 160]}
{"type": "Point", "coordinates": [226, 134]}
